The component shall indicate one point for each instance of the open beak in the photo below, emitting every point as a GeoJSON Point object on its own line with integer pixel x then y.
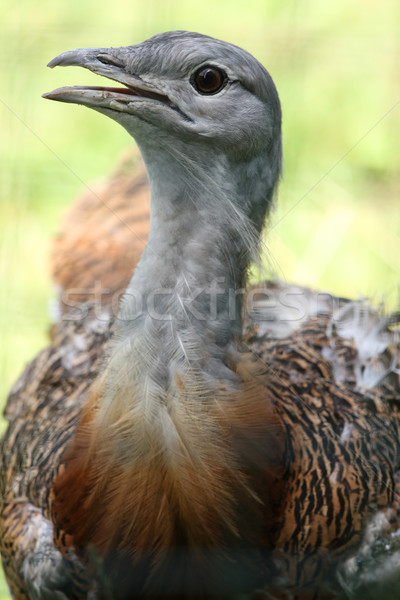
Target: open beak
{"type": "Point", "coordinates": [109, 63]}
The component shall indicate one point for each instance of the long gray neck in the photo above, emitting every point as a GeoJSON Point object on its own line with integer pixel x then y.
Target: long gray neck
{"type": "Point", "coordinates": [188, 286]}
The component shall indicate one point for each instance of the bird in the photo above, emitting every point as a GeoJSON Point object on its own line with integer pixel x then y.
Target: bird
{"type": "Point", "coordinates": [212, 439]}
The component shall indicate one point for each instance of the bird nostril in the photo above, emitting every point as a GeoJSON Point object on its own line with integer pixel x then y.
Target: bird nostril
{"type": "Point", "coordinates": [106, 59]}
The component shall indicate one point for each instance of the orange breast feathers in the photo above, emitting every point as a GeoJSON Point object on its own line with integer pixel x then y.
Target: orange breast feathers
{"type": "Point", "coordinates": [214, 480]}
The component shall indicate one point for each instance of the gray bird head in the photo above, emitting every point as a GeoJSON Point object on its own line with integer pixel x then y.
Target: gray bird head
{"type": "Point", "coordinates": [208, 100]}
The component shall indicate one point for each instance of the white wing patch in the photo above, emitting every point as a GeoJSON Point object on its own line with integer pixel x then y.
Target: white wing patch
{"type": "Point", "coordinates": [278, 310]}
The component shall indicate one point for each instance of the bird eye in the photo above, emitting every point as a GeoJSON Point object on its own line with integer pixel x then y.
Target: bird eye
{"type": "Point", "coordinates": [208, 80]}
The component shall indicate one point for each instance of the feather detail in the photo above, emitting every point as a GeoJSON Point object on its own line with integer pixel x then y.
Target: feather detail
{"type": "Point", "coordinates": [206, 472]}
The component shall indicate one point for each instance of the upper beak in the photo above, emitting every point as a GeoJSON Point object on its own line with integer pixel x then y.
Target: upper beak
{"type": "Point", "coordinates": [110, 63]}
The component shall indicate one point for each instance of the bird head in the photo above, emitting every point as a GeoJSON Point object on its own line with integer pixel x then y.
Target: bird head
{"type": "Point", "coordinates": [186, 85]}
{"type": "Point", "coordinates": [187, 94]}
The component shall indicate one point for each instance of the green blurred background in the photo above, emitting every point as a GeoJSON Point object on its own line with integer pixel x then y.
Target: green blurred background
{"type": "Point", "coordinates": [337, 69]}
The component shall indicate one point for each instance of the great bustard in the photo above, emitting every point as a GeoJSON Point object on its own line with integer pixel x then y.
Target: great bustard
{"type": "Point", "coordinates": [203, 443]}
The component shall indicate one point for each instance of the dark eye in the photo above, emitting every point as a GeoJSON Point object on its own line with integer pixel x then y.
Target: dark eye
{"type": "Point", "coordinates": [209, 80]}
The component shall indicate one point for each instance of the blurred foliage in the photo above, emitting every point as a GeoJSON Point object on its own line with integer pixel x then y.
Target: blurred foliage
{"type": "Point", "coordinates": [336, 66]}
